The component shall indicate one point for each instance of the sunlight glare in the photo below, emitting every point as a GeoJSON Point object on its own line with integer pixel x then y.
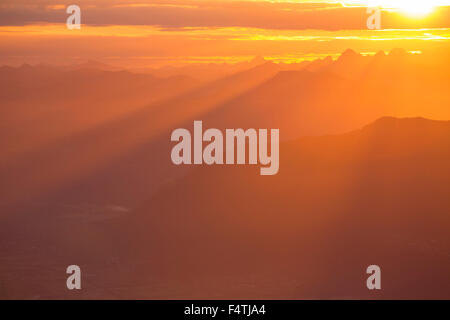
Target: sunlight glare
{"type": "Point", "coordinates": [416, 8]}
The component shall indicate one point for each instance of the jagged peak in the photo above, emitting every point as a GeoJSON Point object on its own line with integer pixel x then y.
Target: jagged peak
{"type": "Point", "coordinates": [258, 60]}
{"type": "Point", "coordinates": [380, 53]}
{"type": "Point", "coordinates": [390, 123]}
{"type": "Point", "coordinates": [398, 52]}
{"type": "Point", "coordinates": [350, 53]}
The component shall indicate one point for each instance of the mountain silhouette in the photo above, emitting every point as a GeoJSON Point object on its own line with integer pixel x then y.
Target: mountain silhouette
{"type": "Point", "coordinates": [86, 175]}
{"type": "Point", "coordinates": [338, 204]}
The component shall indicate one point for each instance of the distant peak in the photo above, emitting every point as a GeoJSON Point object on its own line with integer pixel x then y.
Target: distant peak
{"type": "Point", "coordinates": [93, 63]}
{"type": "Point", "coordinates": [349, 53]}
{"type": "Point", "coordinates": [394, 122]}
{"type": "Point", "coordinates": [379, 56]}
{"type": "Point", "coordinates": [26, 66]}
{"type": "Point", "coordinates": [258, 60]}
{"type": "Point", "coordinates": [398, 52]}
{"type": "Point", "coordinates": [266, 64]}
{"type": "Point", "coordinates": [385, 120]}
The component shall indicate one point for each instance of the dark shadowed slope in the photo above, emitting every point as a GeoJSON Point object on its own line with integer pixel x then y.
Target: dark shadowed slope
{"type": "Point", "coordinates": [117, 151]}
{"type": "Point", "coordinates": [43, 104]}
{"type": "Point", "coordinates": [73, 171]}
{"type": "Point", "coordinates": [340, 203]}
{"type": "Point", "coordinates": [79, 132]}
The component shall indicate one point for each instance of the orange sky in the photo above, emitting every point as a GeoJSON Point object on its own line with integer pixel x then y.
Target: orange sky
{"type": "Point", "coordinates": [149, 33]}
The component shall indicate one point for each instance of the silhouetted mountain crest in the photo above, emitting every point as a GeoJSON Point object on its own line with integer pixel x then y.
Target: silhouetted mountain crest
{"type": "Point", "coordinates": [319, 64]}
{"type": "Point", "coordinates": [398, 52]}
{"type": "Point", "coordinates": [415, 126]}
{"type": "Point", "coordinates": [349, 54]}
{"type": "Point", "coordinates": [258, 60]}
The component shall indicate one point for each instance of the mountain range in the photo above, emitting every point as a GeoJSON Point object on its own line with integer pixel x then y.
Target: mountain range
{"type": "Point", "coordinates": [364, 165]}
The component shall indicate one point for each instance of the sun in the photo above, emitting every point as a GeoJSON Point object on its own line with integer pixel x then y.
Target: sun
{"type": "Point", "coordinates": [416, 7]}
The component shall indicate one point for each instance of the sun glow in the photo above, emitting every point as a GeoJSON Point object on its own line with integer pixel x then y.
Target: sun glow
{"type": "Point", "coordinates": [409, 7]}
{"type": "Point", "coordinates": [417, 7]}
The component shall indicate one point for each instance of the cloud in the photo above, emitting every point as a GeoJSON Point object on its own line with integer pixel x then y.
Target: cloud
{"type": "Point", "coordinates": [169, 30]}
{"type": "Point", "coordinates": [145, 46]}
{"type": "Point", "coordinates": [213, 13]}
